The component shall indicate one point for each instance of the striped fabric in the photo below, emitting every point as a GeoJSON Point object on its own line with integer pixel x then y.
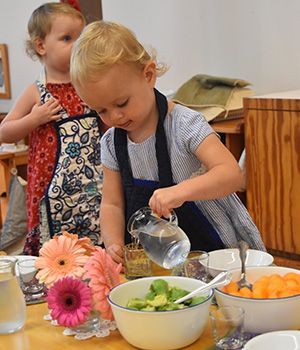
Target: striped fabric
{"type": "Point", "coordinates": [185, 130]}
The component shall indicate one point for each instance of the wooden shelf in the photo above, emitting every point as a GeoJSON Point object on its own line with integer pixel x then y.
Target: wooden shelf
{"type": "Point", "coordinates": [232, 126]}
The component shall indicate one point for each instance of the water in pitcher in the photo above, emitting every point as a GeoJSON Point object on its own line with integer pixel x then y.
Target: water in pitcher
{"type": "Point", "coordinates": [12, 304]}
{"type": "Point", "coordinates": [168, 246]}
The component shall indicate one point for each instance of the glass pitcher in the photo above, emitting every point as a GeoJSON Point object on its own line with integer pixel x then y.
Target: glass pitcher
{"type": "Point", "coordinates": [12, 302]}
{"type": "Point", "coordinates": [163, 241]}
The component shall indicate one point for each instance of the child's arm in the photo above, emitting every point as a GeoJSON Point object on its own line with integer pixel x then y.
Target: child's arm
{"type": "Point", "coordinates": [112, 216]}
{"type": "Point", "coordinates": [27, 114]}
{"type": "Point", "coordinates": [223, 177]}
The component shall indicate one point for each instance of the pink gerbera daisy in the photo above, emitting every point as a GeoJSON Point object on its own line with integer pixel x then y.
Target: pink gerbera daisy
{"type": "Point", "coordinates": [70, 301]}
{"type": "Point", "coordinates": [104, 274]}
{"type": "Point", "coordinates": [59, 257]}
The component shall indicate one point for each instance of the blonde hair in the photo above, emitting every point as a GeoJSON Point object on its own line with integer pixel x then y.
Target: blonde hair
{"type": "Point", "coordinates": [40, 23]}
{"type": "Point", "coordinates": [103, 44]}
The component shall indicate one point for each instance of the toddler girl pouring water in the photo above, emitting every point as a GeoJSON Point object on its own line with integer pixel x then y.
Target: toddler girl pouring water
{"type": "Point", "coordinates": [154, 150]}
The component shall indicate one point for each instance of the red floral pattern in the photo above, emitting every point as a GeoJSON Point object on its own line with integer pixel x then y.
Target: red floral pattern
{"type": "Point", "coordinates": [41, 157]}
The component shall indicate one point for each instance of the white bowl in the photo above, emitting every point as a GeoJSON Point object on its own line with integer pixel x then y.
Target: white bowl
{"type": "Point", "coordinates": [158, 329]}
{"type": "Point", "coordinates": [15, 258]}
{"type": "Point", "coordinates": [229, 259]}
{"type": "Point", "coordinates": [264, 315]}
{"type": "Point", "coordinates": [280, 340]}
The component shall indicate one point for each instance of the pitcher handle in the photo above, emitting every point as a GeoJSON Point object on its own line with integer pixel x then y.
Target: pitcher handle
{"type": "Point", "coordinates": [139, 214]}
{"type": "Point", "coordinates": [173, 220]}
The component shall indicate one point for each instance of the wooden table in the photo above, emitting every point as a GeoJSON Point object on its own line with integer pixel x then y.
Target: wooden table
{"type": "Point", "coordinates": [40, 334]}
{"type": "Point", "coordinates": [8, 161]}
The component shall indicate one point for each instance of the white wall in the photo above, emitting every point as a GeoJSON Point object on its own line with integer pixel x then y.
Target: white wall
{"type": "Point", "coordinates": [255, 40]}
{"type": "Point", "coordinates": [14, 15]}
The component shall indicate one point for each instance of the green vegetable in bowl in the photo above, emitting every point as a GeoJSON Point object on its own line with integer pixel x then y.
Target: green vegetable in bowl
{"type": "Point", "coordinates": [159, 286]}
{"type": "Point", "coordinates": [161, 297]}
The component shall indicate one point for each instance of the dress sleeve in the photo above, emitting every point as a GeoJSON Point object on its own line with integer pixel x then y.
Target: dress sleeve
{"type": "Point", "coordinates": [108, 153]}
{"type": "Point", "coordinates": [193, 129]}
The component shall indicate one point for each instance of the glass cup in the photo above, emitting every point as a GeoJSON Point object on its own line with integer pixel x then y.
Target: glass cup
{"type": "Point", "coordinates": [32, 289]}
{"type": "Point", "coordinates": [227, 325]}
{"type": "Point", "coordinates": [137, 263]}
{"type": "Point", "coordinates": [195, 266]}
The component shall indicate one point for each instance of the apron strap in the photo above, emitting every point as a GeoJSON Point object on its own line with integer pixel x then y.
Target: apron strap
{"type": "Point", "coordinates": [121, 148]}
{"type": "Point", "coordinates": [45, 93]}
{"type": "Point", "coordinates": [161, 148]}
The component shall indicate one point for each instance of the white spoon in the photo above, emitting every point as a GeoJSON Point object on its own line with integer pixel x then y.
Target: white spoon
{"type": "Point", "coordinates": [221, 279]}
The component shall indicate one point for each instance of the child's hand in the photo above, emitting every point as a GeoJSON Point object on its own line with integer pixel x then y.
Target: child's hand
{"type": "Point", "coordinates": [46, 112]}
{"type": "Point", "coordinates": [164, 200]}
{"type": "Point", "coordinates": [116, 252]}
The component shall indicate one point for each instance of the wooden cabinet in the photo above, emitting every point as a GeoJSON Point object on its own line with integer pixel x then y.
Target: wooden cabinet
{"type": "Point", "coordinates": [272, 140]}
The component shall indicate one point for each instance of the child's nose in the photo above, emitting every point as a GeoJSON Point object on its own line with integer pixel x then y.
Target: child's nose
{"type": "Point", "coordinates": [116, 116]}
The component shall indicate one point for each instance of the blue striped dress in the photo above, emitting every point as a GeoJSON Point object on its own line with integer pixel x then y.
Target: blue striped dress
{"type": "Point", "coordinates": [185, 130]}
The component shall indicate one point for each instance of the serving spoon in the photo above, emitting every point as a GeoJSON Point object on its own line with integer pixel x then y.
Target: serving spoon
{"type": "Point", "coordinates": [220, 280]}
{"type": "Point", "coordinates": [243, 246]}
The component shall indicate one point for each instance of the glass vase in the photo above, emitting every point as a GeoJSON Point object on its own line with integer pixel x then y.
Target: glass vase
{"type": "Point", "coordinates": [91, 325]}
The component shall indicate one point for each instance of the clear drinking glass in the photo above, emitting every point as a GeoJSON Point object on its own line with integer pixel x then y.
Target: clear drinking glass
{"type": "Point", "coordinates": [227, 325]}
{"type": "Point", "coordinates": [30, 285]}
{"type": "Point", "coordinates": [12, 303]}
{"type": "Point", "coordinates": [195, 266]}
{"type": "Point", "coordinates": [137, 263]}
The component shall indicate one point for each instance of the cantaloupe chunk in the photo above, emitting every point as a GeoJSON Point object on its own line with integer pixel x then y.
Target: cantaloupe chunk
{"type": "Point", "coordinates": [294, 292]}
{"type": "Point", "coordinates": [292, 284]}
{"type": "Point", "coordinates": [277, 284]}
{"type": "Point", "coordinates": [273, 286]}
{"type": "Point", "coordinates": [273, 294]}
{"type": "Point", "coordinates": [275, 278]}
{"type": "Point", "coordinates": [231, 287]}
{"type": "Point", "coordinates": [289, 293]}
{"type": "Point", "coordinates": [245, 292]}
{"type": "Point", "coordinates": [261, 283]}
{"type": "Point", "coordinates": [259, 291]}
{"type": "Point", "coordinates": [264, 279]}
{"type": "Point", "coordinates": [291, 275]}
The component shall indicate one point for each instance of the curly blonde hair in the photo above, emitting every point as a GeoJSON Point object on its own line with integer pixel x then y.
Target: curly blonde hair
{"type": "Point", "coordinates": [103, 44]}
{"type": "Point", "coordinates": [40, 23]}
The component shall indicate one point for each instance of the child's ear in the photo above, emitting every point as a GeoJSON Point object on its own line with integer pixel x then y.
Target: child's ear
{"type": "Point", "coordinates": [39, 46]}
{"type": "Point", "coordinates": [150, 72]}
